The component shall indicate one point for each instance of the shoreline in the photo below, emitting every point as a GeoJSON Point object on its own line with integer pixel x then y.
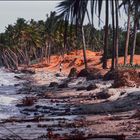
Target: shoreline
{"type": "Point", "coordinates": [72, 110]}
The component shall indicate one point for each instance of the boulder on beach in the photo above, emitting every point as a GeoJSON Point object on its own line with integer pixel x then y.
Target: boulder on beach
{"type": "Point", "coordinates": [73, 72]}
{"type": "Point", "coordinates": [53, 84]}
{"type": "Point", "coordinates": [63, 85]}
{"type": "Point", "coordinates": [90, 74]}
{"type": "Point", "coordinates": [83, 73]}
{"type": "Point", "coordinates": [126, 77]}
{"type": "Point", "coordinates": [58, 75]}
{"type": "Point", "coordinates": [110, 75]}
{"type": "Point", "coordinates": [103, 95]}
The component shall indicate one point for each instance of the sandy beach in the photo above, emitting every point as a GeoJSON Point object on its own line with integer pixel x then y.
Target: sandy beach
{"type": "Point", "coordinates": [54, 106]}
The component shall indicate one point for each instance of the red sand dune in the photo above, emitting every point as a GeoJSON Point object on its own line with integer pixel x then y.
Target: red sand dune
{"type": "Point", "coordinates": [75, 59]}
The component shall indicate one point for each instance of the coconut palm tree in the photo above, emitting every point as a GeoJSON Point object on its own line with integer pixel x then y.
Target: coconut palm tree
{"type": "Point", "coordinates": [117, 32]}
{"type": "Point", "coordinates": [74, 11]}
{"type": "Point", "coordinates": [136, 6]}
{"type": "Point", "coordinates": [127, 36]}
{"type": "Point", "coordinates": [106, 35]}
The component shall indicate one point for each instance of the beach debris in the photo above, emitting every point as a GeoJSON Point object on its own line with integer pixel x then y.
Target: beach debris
{"type": "Point", "coordinates": [27, 101]}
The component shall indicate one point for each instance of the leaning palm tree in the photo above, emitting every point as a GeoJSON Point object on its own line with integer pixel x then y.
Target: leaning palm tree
{"type": "Point", "coordinates": [74, 11]}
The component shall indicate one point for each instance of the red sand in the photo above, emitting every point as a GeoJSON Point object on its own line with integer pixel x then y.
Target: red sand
{"type": "Point", "coordinates": [75, 59]}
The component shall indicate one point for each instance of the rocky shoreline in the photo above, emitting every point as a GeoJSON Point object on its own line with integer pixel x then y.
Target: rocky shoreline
{"type": "Point", "coordinates": [57, 107]}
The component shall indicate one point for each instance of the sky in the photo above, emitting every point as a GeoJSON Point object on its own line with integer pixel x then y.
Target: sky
{"type": "Point", "coordinates": [37, 10]}
{"type": "Point", "coordinates": [11, 10]}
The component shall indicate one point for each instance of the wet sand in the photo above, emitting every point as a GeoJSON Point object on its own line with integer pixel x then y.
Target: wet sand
{"type": "Point", "coordinates": [73, 112]}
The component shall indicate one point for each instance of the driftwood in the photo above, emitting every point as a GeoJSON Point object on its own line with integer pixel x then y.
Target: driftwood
{"type": "Point", "coordinates": [113, 136]}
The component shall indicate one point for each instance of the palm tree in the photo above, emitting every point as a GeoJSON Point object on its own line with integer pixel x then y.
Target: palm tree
{"type": "Point", "coordinates": [127, 36]}
{"type": "Point", "coordinates": [50, 28]}
{"type": "Point", "coordinates": [74, 11]}
{"type": "Point", "coordinates": [136, 5]}
{"type": "Point", "coordinates": [106, 35]}
{"type": "Point", "coordinates": [117, 33]}
{"type": "Point", "coordinates": [113, 28]}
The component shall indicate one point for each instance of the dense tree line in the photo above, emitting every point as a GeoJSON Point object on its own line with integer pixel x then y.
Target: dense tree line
{"type": "Point", "coordinates": [29, 41]}
{"type": "Point", "coordinates": [75, 11]}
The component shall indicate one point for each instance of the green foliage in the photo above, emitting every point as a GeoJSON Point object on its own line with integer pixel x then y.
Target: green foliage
{"type": "Point", "coordinates": [27, 41]}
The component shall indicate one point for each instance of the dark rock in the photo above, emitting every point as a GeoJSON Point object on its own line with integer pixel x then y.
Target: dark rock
{"type": "Point", "coordinates": [53, 84]}
{"type": "Point", "coordinates": [102, 95]}
{"type": "Point", "coordinates": [90, 77]}
{"type": "Point", "coordinates": [94, 76]}
{"type": "Point", "coordinates": [58, 75]}
{"type": "Point", "coordinates": [73, 72]}
{"type": "Point", "coordinates": [122, 93]}
{"type": "Point", "coordinates": [20, 105]}
{"type": "Point", "coordinates": [30, 109]}
{"type": "Point", "coordinates": [110, 75]}
{"type": "Point", "coordinates": [80, 82]}
{"type": "Point", "coordinates": [81, 88]}
{"type": "Point", "coordinates": [36, 113]}
{"type": "Point", "coordinates": [28, 71]}
{"type": "Point", "coordinates": [83, 73]}
{"type": "Point", "coordinates": [63, 85]}
{"type": "Point", "coordinates": [38, 106]}
{"type": "Point", "coordinates": [91, 87]}
{"type": "Point", "coordinates": [28, 126]}
{"type": "Point", "coordinates": [16, 85]}
{"type": "Point", "coordinates": [25, 113]}
{"type": "Point", "coordinates": [45, 107]}
{"type": "Point", "coordinates": [18, 77]}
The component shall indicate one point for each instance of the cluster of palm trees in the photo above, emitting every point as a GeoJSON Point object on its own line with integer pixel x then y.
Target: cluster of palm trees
{"type": "Point", "coordinates": [30, 40]}
{"type": "Point", "coordinates": [75, 11]}
{"type": "Point", "coordinates": [64, 31]}
{"type": "Point", "coordinates": [26, 41]}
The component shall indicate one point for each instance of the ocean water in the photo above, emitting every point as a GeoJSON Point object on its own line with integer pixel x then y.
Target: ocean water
{"type": "Point", "coordinates": [8, 96]}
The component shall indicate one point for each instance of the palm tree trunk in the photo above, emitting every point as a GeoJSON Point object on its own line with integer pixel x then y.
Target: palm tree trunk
{"type": "Point", "coordinates": [117, 33]}
{"type": "Point", "coordinates": [106, 37]}
{"type": "Point", "coordinates": [135, 36]}
{"type": "Point", "coordinates": [27, 57]}
{"type": "Point", "coordinates": [49, 52]}
{"type": "Point", "coordinates": [127, 38]}
{"type": "Point", "coordinates": [113, 27]}
{"type": "Point", "coordinates": [84, 47]}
